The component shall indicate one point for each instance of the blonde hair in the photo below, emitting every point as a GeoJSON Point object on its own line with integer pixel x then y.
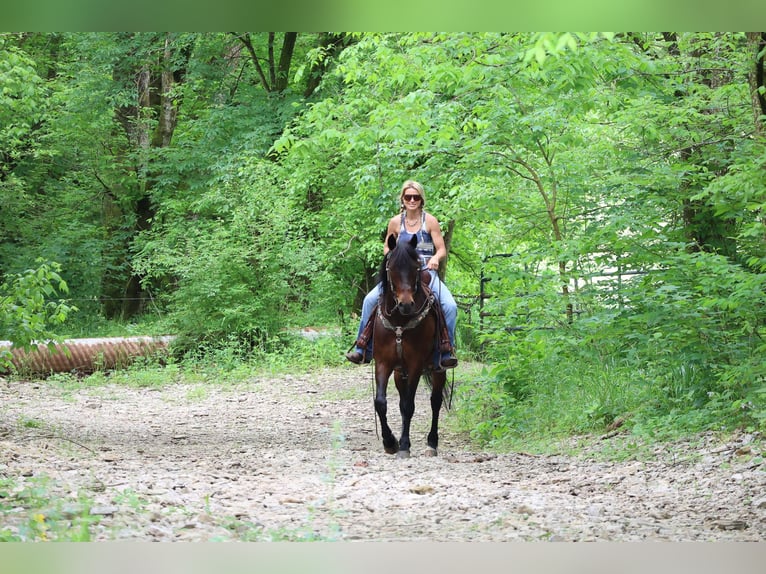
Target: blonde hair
{"type": "Point", "coordinates": [412, 184]}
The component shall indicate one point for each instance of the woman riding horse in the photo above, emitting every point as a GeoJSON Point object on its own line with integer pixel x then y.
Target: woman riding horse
{"type": "Point", "coordinates": [413, 221]}
{"type": "Point", "coordinates": [405, 331]}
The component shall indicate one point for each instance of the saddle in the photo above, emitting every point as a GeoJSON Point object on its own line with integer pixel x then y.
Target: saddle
{"type": "Point", "coordinates": [441, 324]}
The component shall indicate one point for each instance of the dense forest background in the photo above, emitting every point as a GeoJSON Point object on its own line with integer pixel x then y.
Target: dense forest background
{"type": "Point", "coordinates": [603, 195]}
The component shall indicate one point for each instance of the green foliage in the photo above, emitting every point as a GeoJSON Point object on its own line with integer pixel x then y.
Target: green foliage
{"type": "Point", "coordinates": [22, 101]}
{"type": "Point", "coordinates": [621, 171]}
{"type": "Point", "coordinates": [28, 310]}
{"type": "Point", "coordinates": [23, 107]}
{"type": "Point", "coordinates": [285, 351]}
{"type": "Point", "coordinates": [685, 355]}
{"type": "Point", "coordinates": [662, 246]}
{"type": "Point", "coordinates": [226, 258]}
{"type": "Point", "coordinates": [550, 385]}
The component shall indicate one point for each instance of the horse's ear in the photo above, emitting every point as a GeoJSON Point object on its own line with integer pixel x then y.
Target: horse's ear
{"type": "Point", "coordinates": [391, 241]}
{"type": "Point", "coordinates": [414, 241]}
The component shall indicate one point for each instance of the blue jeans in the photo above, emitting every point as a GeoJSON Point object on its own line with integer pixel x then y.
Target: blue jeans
{"type": "Point", "coordinates": [440, 290]}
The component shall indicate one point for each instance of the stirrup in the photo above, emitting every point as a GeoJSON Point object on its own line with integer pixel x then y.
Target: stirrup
{"type": "Point", "coordinates": [446, 361]}
{"type": "Point", "coordinates": [357, 358]}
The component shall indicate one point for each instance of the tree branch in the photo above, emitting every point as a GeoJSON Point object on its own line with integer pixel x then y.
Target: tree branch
{"type": "Point", "coordinates": [245, 39]}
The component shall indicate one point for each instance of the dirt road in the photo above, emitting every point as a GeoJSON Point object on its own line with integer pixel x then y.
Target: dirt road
{"type": "Point", "coordinates": [297, 458]}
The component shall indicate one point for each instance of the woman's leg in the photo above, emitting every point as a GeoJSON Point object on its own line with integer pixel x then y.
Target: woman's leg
{"type": "Point", "coordinates": [368, 305]}
{"type": "Point", "coordinates": [449, 306]}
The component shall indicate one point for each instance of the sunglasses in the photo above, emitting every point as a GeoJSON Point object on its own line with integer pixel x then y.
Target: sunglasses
{"type": "Point", "coordinates": [408, 197]}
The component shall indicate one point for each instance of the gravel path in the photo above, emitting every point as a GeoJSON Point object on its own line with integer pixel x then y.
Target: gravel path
{"type": "Point", "coordinates": [297, 457]}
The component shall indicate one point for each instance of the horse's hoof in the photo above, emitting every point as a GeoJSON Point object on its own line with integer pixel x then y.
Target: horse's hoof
{"type": "Point", "coordinates": [391, 446]}
{"type": "Point", "coordinates": [430, 451]}
{"type": "Point", "coordinates": [403, 454]}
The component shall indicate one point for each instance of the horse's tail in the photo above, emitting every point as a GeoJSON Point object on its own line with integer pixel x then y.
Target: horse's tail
{"type": "Point", "coordinates": [446, 389]}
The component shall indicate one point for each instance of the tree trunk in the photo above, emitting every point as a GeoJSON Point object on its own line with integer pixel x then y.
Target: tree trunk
{"type": "Point", "coordinates": [705, 230]}
{"type": "Point", "coordinates": [285, 59]}
{"type": "Point", "coordinates": [447, 234]}
{"type": "Point", "coordinates": [155, 103]}
{"type": "Point", "coordinates": [756, 42]}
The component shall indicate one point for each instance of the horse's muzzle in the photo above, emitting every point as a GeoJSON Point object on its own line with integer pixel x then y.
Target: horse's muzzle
{"type": "Point", "coordinates": [406, 309]}
{"type": "Point", "coordinates": [405, 303]}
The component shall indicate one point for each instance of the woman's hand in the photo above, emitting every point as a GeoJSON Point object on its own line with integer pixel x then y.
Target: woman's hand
{"type": "Point", "coordinates": [433, 263]}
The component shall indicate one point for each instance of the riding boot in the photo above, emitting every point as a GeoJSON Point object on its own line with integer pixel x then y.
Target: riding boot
{"type": "Point", "coordinates": [447, 359]}
{"type": "Point", "coordinates": [366, 335]}
{"type": "Point", "coordinates": [364, 343]}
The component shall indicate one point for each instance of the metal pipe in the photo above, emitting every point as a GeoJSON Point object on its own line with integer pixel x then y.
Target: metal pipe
{"type": "Point", "coordinates": [82, 355]}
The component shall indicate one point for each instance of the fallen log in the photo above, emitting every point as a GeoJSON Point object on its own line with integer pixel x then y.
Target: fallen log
{"type": "Point", "coordinates": [81, 355]}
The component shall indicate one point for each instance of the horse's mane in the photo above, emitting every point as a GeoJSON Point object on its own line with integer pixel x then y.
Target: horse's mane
{"type": "Point", "coordinates": [400, 256]}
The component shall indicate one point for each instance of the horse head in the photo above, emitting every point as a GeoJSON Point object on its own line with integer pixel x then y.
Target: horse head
{"type": "Point", "coordinates": [402, 273]}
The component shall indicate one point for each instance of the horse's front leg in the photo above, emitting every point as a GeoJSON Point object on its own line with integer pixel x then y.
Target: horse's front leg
{"type": "Point", "coordinates": [382, 375]}
{"type": "Point", "coordinates": [437, 396]}
{"type": "Point", "coordinates": [407, 386]}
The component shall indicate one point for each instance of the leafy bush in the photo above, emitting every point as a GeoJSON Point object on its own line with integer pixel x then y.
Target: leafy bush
{"type": "Point", "coordinates": [28, 311]}
{"type": "Point", "coordinates": [222, 260]}
{"type": "Point", "coordinates": [685, 354]}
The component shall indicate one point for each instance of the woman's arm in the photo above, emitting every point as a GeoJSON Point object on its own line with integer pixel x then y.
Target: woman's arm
{"type": "Point", "coordinates": [438, 238]}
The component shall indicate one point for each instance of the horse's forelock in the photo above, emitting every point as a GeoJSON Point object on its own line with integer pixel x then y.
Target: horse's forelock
{"type": "Point", "coordinates": [403, 256]}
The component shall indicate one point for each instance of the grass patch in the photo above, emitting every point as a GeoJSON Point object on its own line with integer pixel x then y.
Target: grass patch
{"type": "Point", "coordinates": [566, 406]}
{"type": "Point", "coordinates": [197, 393]}
{"type": "Point", "coordinates": [29, 423]}
{"type": "Point", "coordinates": [229, 364]}
{"type": "Point", "coordinates": [32, 511]}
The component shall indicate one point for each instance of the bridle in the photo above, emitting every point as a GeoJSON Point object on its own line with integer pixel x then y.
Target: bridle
{"type": "Point", "coordinates": [386, 315]}
{"type": "Point", "coordinates": [389, 283]}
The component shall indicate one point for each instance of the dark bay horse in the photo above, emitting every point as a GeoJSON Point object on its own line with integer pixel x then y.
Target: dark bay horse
{"type": "Point", "coordinates": [405, 343]}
